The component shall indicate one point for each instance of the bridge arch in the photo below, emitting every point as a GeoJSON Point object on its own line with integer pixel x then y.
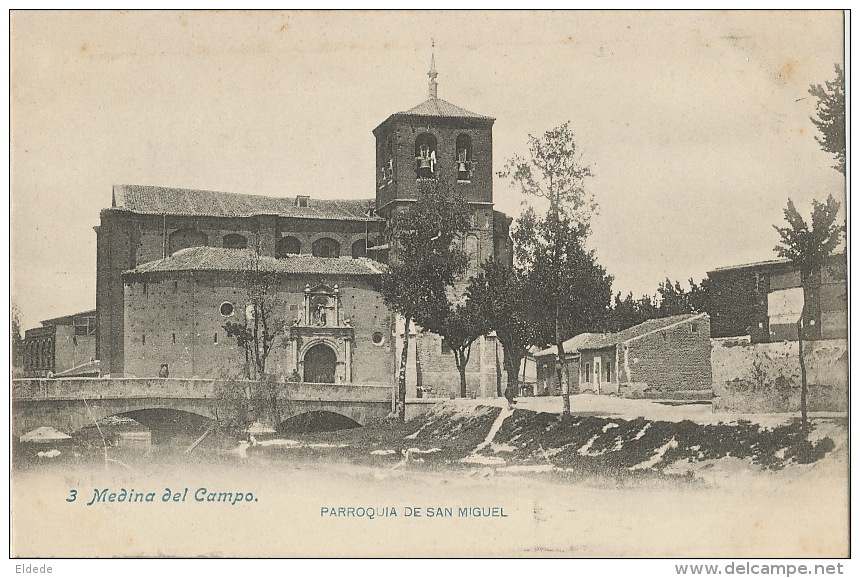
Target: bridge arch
{"type": "Point", "coordinates": [163, 423]}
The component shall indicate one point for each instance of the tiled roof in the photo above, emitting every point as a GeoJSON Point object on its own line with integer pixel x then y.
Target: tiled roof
{"type": "Point", "coordinates": [598, 341]}
{"type": "Point", "coordinates": [439, 107]}
{"type": "Point", "coordinates": [770, 263]}
{"type": "Point", "coordinates": [219, 259]}
{"type": "Point", "coordinates": [570, 346]}
{"type": "Point", "coordinates": [147, 200]}
{"type": "Point", "coordinates": [841, 255]}
{"type": "Point", "coordinates": [68, 319]}
{"type": "Point", "coordinates": [585, 341]}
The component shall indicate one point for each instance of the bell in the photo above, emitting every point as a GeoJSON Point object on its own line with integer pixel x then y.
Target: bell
{"type": "Point", "coordinates": [425, 164]}
{"type": "Point", "coordinates": [461, 167]}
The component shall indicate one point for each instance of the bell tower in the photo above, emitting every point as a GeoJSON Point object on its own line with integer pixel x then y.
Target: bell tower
{"type": "Point", "coordinates": [434, 140]}
{"type": "Point", "coordinates": [439, 140]}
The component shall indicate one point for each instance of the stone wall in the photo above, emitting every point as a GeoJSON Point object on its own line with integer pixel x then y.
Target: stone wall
{"type": "Point", "coordinates": [765, 377]}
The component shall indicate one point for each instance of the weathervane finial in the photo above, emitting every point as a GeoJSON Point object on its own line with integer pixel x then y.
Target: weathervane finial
{"type": "Point", "coordinates": [433, 85]}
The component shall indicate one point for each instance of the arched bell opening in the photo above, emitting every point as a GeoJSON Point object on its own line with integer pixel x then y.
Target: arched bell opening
{"type": "Point", "coordinates": [425, 156]}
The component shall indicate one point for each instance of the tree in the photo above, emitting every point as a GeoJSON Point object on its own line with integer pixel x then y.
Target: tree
{"type": "Point", "coordinates": [807, 246]}
{"type": "Point", "coordinates": [255, 336]}
{"type": "Point", "coordinates": [570, 292]}
{"type": "Point", "coordinates": [263, 322]}
{"type": "Point", "coordinates": [459, 325]}
{"type": "Point", "coordinates": [830, 117]}
{"type": "Point", "coordinates": [675, 300]}
{"type": "Point", "coordinates": [628, 312]}
{"type": "Point", "coordinates": [426, 259]}
{"type": "Point", "coordinates": [499, 293]}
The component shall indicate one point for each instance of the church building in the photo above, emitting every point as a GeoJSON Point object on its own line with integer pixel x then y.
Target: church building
{"type": "Point", "coordinates": [172, 267]}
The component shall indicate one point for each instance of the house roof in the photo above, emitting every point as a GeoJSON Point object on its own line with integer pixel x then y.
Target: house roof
{"type": "Point", "coordinates": [771, 263]}
{"type": "Point", "coordinates": [599, 341]}
{"type": "Point", "coordinates": [149, 200]}
{"type": "Point", "coordinates": [760, 264]}
{"type": "Point", "coordinates": [572, 345]}
{"type": "Point", "coordinates": [589, 341]}
{"type": "Point", "coordinates": [67, 319]}
{"type": "Point", "coordinates": [439, 107]}
{"type": "Point", "coordinates": [220, 259]}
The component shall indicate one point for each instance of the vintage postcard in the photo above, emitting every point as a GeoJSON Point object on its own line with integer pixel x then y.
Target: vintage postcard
{"type": "Point", "coordinates": [432, 284]}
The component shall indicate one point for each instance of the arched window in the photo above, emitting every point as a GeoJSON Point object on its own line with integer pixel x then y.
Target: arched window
{"type": "Point", "coordinates": [425, 156]}
{"type": "Point", "coordinates": [326, 248]}
{"type": "Point", "coordinates": [287, 246]}
{"type": "Point", "coordinates": [464, 157]}
{"type": "Point", "coordinates": [359, 249]}
{"type": "Point", "coordinates": [235, 241]}
{"type": "Point", "coordinates": [185, 238]}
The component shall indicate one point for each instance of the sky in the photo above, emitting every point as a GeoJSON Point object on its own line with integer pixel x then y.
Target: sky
{"type": "Point", "coordinates": [696, 124]}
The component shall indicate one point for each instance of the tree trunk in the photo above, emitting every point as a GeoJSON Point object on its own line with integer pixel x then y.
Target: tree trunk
{"type": "Point", "coordinates": [513, 368]}
{"type": "Point", "coordinates": [461, 369]}
{"type": "Point", "coordinates": [562, 370]}
{"type": "Point", "coordinates": [400, 406]}
{"type": "Point", "coordinates": [804, 423]}
{"type": "Point", "coordinates": [564, 381]}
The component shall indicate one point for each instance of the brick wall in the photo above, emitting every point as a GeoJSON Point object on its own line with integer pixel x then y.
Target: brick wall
{"type": "Point", "coordinates": [670, 360]}
{"type": "Point", "coordinates": [72, 350]}
{"type": "Point", "coordinates": [125, 240]}
{"type": "Point", "coordinates": [438, 371]}
{"type": "Point", "coordinates": [738, 303]}
{"type": "Point", "coordinates": [179, 316]}
{"type": "Point", "coordinates": [404, 131]}
{"type": "Point", "coordinates": [118, 238]}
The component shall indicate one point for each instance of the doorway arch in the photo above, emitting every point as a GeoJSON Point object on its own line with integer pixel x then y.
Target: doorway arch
{"type": "Point", "coordinates": [320, 364]}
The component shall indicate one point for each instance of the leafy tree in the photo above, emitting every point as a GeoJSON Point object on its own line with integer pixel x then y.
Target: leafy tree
{"type": "Point", "coordinates": [425, 261]}
{"type": "Point", "coordinates": [807, 246]}
{"type": "Point", "coordinates": [830, 119]}
{"type": "Point", "coordinates": [459, 325]}
{"type": "Point", "coordinates": [255, 336]}
{"type": "Point", "coordinates": [628, 312]}
{"type": "Point", "coordinates": [675, 300]}
{"type": "Point", "coordinates": [499, 291]}
{"type": "Point", "coordinates": [698, 297]}
{"type": "Point", "coordinates": [570, 291]}
{"type": "Point", "coordinates": [264, 319]}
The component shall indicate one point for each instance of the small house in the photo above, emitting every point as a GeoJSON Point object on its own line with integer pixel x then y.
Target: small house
{"type": "Point", "coordinates": [666, 358]}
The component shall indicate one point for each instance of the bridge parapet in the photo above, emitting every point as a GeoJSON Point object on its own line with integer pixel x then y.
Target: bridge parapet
{"type": "Point", "coordinates": [129, 388]}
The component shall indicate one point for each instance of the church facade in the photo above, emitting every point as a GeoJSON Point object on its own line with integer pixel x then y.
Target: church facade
{"type": "Point", "coordinates": [172, 267]}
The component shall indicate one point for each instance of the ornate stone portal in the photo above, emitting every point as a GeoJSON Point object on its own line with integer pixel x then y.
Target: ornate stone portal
{"type": "Point", "coordinates": [320, 340]}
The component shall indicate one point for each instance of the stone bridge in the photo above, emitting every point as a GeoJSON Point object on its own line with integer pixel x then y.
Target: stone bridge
{"type": "Point", "coordinates": [188, 404]}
